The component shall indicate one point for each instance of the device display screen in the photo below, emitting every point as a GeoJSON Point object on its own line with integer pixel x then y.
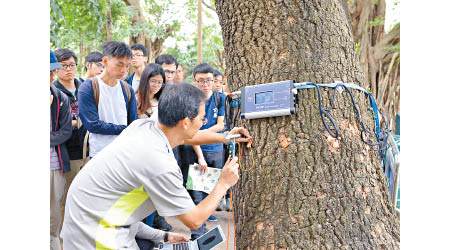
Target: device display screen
{"type": "Point", "coordinates": [264, 97]}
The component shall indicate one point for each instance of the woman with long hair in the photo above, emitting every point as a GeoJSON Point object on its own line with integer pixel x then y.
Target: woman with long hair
{"type": "Point", "coordinates": [150, 88]}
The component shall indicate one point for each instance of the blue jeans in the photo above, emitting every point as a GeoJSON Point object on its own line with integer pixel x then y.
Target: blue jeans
{"type": "Point", "coordinates": [214, 160]}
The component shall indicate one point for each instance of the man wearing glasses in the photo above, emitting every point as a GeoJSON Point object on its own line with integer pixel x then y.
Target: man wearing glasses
{"type": "Point", "coordinates": [138, 61]}
{"type": "Point", "coordinates": [169, 64]}
{"type": "Point", "coordinates": [93, 65]}
{"type": "Point", "coordinates": [107, 114]}
{"type": "Point", "coordinates": [60, 131]}
{"type": "Point", "coordinates": [211, 153]}
{"type": "Point", "coordinates": [69, 85]}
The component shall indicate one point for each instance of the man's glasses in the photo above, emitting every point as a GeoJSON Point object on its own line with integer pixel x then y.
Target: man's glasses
{"type": "Point", "coordinates": [169, 72]}
{"type": "Point", "coordinates": [69, 66]}
{"type": "Point", "coordinates": [204, 121]}
{"type": "Point", "coordinates": [137, 55]}
{"type": "Point", "coordinates": [204, 82]}
{"type": "Point", "coordinates": [155, 83]}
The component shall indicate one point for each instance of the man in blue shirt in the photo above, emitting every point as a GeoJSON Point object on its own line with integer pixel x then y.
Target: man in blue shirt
{"type": "Point", "coordinates": [214, 109]}
{"type": "Point", "coordinates": [107, 113]}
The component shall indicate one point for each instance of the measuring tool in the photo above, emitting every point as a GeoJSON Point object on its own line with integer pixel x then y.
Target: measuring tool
{"type": "Point", "coordinates": [266, 100]}
{"type": "Point", "coordinates": [232, 145]}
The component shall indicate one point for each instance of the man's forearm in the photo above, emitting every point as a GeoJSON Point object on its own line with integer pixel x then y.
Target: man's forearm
{"type": "Point", "coordinates": [199, 214]}
{"type": "Point", "coordinates": [204, 137]}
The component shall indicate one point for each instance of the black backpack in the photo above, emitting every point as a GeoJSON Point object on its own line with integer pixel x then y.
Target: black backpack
{"type": "Point", "coordinates": [226, 118]}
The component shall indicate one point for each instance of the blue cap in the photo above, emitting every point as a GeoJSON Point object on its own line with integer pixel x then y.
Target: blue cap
{"type": "Point", "coordinates": [54, 62]}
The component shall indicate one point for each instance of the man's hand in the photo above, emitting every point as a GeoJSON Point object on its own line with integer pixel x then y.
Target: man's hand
{"type": "Point", "coordinates": [202, 165]}
{"type": "Point", "coordinates": [175, 237]}
{"type": "Point", "coordinates": [245, 138]}
{"type": "Point", "coordinates": [230, 173]}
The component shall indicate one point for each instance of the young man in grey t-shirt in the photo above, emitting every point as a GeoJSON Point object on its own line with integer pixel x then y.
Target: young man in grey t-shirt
{"type": "Point", "coordinates": [137, 174]}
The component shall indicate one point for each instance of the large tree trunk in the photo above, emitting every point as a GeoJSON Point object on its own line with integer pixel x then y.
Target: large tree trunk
{"type": "Point", "coordinates": [199, 32]}
{"type": "Point", "coordinates": [327, 194]}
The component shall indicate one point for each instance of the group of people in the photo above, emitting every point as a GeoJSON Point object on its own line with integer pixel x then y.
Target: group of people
{"type": "Point", "coordinates": [123, 144]}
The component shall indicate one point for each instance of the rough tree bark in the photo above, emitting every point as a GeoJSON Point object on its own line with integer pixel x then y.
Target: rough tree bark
{"type": "Point", "coordinates": [327, 194]}
{"type": "Point", "coordinates": [154, 47]}
{"type": "Point", "coordinates": [109, 22]}
{"type": "Point", "coordinates": [379, 61]}
{"type": "Point", "coordinates": [199, 32]}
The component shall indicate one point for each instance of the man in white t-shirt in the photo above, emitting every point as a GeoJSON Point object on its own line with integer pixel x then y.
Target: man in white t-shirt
{"type": "Point", "coordinates": [115, 108]}
{"type": "Point", "coordinates": [138, 174]}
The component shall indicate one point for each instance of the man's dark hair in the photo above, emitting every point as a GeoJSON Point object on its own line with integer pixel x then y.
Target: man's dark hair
{"type": "Point", "coordinates": [140, 47]}
{"type": "Point", "coordinates": [179, 101]}
{"type": "Point", "coordinates": [203, 68]}
{"type": "Point", "coordinates": [217, 73]}
{"type": "Point", "coordinates": [93, 57]}
{"type": "Point", "coordinates": [65, 54]}
{"type": "Point", "coordinates": [166, 59]}
{"type": "Point", "coordinates": [116, 49]}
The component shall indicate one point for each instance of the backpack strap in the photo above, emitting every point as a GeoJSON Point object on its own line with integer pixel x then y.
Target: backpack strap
{"type": "Point", "coordinates": [127, 90]}
{"type": "Point", "coordinates": [96, 90]}
{"type": "Point", "coordinates": [217, 99]}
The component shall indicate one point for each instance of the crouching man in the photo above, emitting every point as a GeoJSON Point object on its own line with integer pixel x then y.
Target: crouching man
{"type": "Point", "coordinates": [137, 174]}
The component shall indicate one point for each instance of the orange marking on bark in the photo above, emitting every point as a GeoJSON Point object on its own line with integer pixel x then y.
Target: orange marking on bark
{"type": "Point", "coordinates": [284, 141]}
{"type": "Point", "coordinates": [283, 55]}
{"type": "Point", "coordinates": [333, 144]}
{"type": "Point", "coordinates": [290, 19]}
{"type": "Point", "coordinates": [259, 226]}
{"type": "Point", "coordinates": [320, 194]}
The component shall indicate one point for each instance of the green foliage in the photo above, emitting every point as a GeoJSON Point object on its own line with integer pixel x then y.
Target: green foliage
{"type": "Point", "coordinates": [358, 48]}
{"type": "Point", "coordinates": [394, 48]}
{"type": "Point", "coordinates": [83, 22]}
{"type": "Point", "coordinates": [378, 21]}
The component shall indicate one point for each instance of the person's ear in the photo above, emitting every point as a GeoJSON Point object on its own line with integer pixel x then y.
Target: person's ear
{"type": "Point", "coordinates": [146, 59]}
{"type": "Point", "coordinates": [105, 60]}
{"type": "Point", "coordinates": [184, 123]}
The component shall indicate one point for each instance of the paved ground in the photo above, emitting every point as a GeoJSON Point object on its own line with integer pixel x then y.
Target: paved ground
{"type": "Point", "coordinates": [222, 217]}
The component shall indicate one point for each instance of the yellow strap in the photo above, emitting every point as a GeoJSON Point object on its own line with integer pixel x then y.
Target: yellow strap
{"type": "Point", "coordinates": [117, 215]}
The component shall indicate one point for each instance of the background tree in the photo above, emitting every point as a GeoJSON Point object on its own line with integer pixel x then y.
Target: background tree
{"type": "Point", "coordinates": [320, 192]}
{"type": "Point", "coordinates": [151, 24]}
{"type": "Point", "coordinates": [379, 53]}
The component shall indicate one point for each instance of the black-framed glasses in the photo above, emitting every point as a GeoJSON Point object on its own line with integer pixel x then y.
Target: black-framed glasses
{"type": "Point", "coordinates": [204, 120]}
{"type": "Point", "coordinates": [155, 83]}
{"type": "Point", "coordinates": [68, 66]}
{"type": "Point", "coordinates": [204, 82]}
{"type": "Point", "coordinates": [137, 55]}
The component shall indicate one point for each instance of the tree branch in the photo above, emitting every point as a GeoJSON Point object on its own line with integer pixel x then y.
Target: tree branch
{"type": "Point", "coordinates": [209, 7]}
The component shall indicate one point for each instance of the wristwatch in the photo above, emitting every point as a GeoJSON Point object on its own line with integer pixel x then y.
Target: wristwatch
{"type": "Point", "coordinates": [166, 236]}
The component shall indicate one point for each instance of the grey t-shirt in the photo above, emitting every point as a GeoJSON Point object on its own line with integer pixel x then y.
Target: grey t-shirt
{"type": "Point", "coordinates": [124, 183]}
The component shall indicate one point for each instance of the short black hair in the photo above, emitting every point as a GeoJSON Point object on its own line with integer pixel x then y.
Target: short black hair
{"type": "Point", "coordinates": [140, 47]}
{"type": "Point", "coordinates": [166, 59]}
{"type": "Point", "coordinates": [116, 49]}
{"type": "Point", "coordinates": [93, 57]}
{"type": "Point", "coordinates": [179, 101]}
{"type": "Point", "coordinates": [65, 54]}
{"type": "Point", "coordinates": [203, 68]}
{"type": "Point", "coordinates": [217, 73]}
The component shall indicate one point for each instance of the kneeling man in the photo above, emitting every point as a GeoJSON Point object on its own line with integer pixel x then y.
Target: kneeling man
{"type": "Point", "coordinates": [137, 174]}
